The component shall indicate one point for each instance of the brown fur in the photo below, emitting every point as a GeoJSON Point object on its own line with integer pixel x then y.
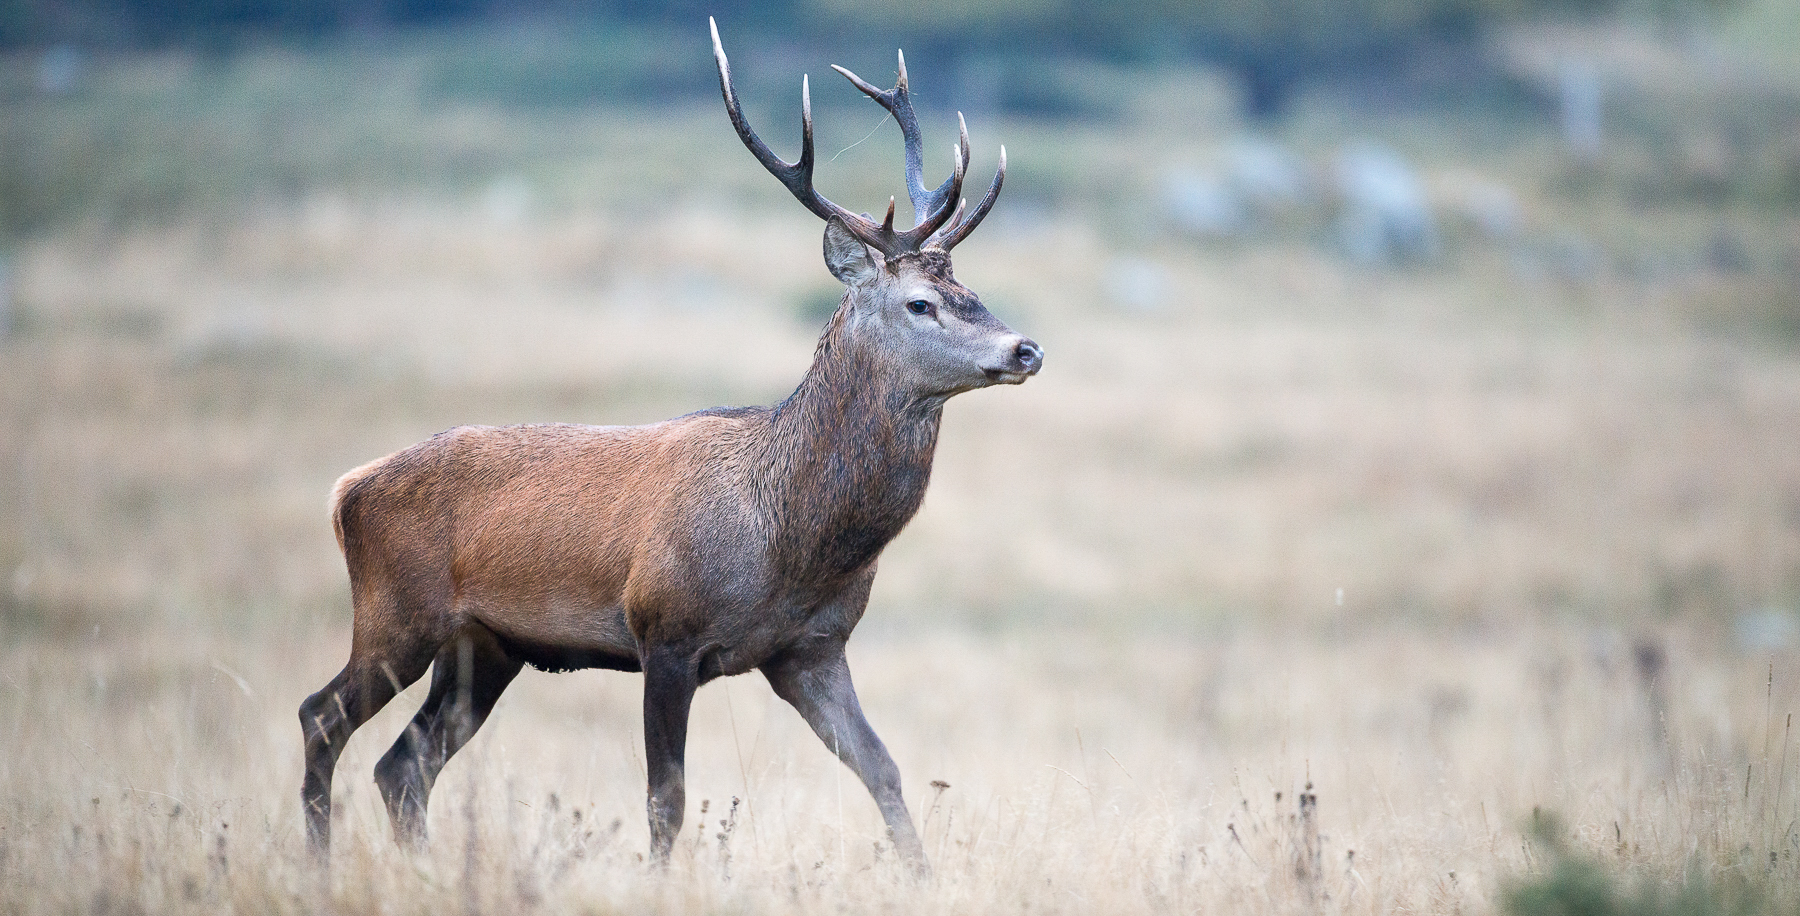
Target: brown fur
{"type": "Point", "coordinates": [605, 538]}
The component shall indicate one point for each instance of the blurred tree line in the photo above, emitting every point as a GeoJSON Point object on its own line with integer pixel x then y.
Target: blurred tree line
{"type": "Point", "coordinates": [1272, 45]}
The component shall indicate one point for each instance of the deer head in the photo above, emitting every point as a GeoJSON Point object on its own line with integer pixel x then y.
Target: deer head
{"type": "Point", "coordinates": [902, 300]}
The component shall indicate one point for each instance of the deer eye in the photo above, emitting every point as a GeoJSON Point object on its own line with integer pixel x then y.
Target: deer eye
{"type": "Point", "coordinates": [919, 307]}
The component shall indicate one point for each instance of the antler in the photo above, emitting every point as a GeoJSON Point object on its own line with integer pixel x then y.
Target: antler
{"type": "Point", "coordinates": [934, 209]}
{"type": "Point", "coordinates": [898, 102]}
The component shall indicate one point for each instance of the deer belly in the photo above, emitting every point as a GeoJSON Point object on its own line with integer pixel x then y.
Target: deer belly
{"type": "Point", "coordinates": [562, 635]}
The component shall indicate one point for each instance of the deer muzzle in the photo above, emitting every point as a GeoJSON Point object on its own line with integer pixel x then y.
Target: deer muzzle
{"type": "Point", "coordinates": [1024, 359]}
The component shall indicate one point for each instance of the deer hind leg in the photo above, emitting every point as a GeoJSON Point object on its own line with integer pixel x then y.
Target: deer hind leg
{"type": "Point", "coordinates": [467, 678]}
{"type": "Point", "coordinates": [380, 666]}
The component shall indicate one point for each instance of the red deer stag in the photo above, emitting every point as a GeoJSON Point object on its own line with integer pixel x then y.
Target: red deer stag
{"type": "Point", "coordinates": [708, 545]}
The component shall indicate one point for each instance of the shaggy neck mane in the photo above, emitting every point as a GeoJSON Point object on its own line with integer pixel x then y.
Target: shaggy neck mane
{"type": "Point", "coordinates": [851, 455]}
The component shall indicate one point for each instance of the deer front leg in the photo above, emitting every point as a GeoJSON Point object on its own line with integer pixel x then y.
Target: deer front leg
{"type": "Point", "coordinates": [819, 687]}
{"type": "Point", "coordinates": [670, 679]}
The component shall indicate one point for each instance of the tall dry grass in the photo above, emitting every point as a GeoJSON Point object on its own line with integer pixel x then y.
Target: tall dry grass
{"type": "Point", "coordinates": [1050, 773]}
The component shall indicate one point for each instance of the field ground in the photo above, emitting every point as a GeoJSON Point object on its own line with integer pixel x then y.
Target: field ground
{"type": "Point", "coordinates": [1131, 775]}
{"type": "Point", "coordinates": [1516, 531]}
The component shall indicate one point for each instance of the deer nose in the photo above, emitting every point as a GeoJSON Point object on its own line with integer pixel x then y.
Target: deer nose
{"type": "Point", "coordinates": [1029, 354]}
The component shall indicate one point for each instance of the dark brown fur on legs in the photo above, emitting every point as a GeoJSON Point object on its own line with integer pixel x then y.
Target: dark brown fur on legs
{"type": "Point", "coordinates": [816, 681]}
{"type": "Point", "coordinates": [671, 675]}
{"type": "Point", "coordinates": [722, 542]}
{"type": "Point", "coordinates": [329, 717]}
{"type": "Point", "coordinates": [467, 678]}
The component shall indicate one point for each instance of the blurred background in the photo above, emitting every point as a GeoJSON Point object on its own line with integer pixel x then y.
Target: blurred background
{"type": "Point", "coordinates": [1452, 311]}
{"type": "Point", "coordinates": [1408, 362]}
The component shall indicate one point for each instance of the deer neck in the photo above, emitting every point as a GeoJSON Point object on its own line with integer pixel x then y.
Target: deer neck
{"type": "Point", "coordinates": [851, 454]}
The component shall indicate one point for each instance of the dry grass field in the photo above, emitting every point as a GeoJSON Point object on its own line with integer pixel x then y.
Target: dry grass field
{"type": "Point", "coordinates": [1449, 550]}
{"type": "Point", "coordinates": [1085, 774]}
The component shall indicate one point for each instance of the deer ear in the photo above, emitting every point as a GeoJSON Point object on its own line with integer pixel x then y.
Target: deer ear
{"type": "Point", "coordinates": [848, 258]}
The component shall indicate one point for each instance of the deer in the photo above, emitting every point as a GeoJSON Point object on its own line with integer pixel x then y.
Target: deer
{"type": "Point", "coordinates": [713, 544]}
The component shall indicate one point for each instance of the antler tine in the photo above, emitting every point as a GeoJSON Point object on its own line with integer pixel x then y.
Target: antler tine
{"type": "Point", "coordinates": [949, 224]}
{"type": "Point", "coordinates": [805, 163]}
{"type": "Point", "coordinates": [898, 102]}
{"type": "Point", "coordinates": [943, 191]}
{"type": "Point", "coordinates": [962, 147]}
{"type": "Point", "coordinates": [960, 230]}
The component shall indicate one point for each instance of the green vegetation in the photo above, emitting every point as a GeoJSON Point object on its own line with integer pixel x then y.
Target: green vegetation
{"type": "Point", "coordinates": [449, 112]}
{"type": "Point", "coordinates": [1570, 883]}
{"type": "Point", "coordinates": [1273, 47]}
